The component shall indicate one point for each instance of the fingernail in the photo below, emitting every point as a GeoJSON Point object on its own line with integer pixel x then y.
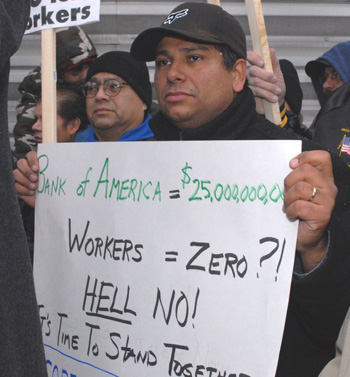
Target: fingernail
{"type": "Point", "coordinates": [294, 162]}
{"type": "Point", "coordinates": [32, 177]}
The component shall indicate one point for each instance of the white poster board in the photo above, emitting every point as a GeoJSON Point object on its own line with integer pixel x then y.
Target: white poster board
{"type": "Point", "coordinates": [49, 14]}
{"type": "Point", "coordinates": [163, 258]}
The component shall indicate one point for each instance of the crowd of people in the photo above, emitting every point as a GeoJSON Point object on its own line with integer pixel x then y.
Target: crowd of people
{"type": "Point", "coordinates": [204, 91]}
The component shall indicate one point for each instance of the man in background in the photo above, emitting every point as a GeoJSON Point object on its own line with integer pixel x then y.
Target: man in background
{"type": "Point", "coordinates": [330, 75]}
{"type": "Point", "coordinates": [118, 100]}
{"type": "Point", "coordinates": [118, 95]}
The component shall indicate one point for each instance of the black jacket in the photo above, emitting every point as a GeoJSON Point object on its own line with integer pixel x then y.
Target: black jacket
{"type": "Point", "coordinates": [332, 124]}
{"type": "Point", "coordinates": [21, 348]}
{"type": "Point", "coordinates": [319, 302]}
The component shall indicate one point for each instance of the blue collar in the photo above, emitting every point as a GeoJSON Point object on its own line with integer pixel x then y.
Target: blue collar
{"type": "Point", "coordinates": [141, 132]}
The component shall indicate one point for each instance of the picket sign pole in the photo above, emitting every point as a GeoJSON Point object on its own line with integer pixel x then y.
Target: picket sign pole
{"type": "Point", "coordinates": [261, 46]}
{"type": "Point", "coordinates": [48, 85]}
{"type": "Point", "coordinates": [215, 2]}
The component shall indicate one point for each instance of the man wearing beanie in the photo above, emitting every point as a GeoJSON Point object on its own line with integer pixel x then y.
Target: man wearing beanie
{"type": "Point", "coordinates": [118, 99]}
{"type": "Point", "coordinates": [200, 80]}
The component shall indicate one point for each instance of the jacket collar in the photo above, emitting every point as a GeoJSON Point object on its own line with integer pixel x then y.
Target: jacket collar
{"type": "Point", "coordinates": [229, 125]}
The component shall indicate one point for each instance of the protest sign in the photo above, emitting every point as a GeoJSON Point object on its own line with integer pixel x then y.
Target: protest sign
{"type": "Point", "coordinates": [48, 14]}
{"type": "Point", "coordinates": [163, 258]}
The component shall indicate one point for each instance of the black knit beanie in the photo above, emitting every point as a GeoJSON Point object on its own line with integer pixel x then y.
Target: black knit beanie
{"type": "Point", "coordinates": [132, 71]}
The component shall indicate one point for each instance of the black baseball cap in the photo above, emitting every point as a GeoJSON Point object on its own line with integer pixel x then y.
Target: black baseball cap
{"type": "Point", "coordinates": [315, 68]}
{"type": "Point", "coordinates": [198, 22]}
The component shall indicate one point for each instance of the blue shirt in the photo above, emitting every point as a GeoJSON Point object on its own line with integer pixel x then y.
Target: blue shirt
{"type": "Point", "coordinates": [141, 132]}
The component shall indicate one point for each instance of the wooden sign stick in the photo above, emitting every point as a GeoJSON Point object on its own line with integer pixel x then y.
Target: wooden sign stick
{"type": "Point", "coordinates": [48, 85]}
{"type": "Point", "coordinates": [261, 47]}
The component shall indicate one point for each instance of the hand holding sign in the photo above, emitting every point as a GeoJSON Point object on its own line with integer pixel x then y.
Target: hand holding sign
{"type": "Point", "coordinates": [310, 194]}
{"type": "Point", "coordinates": [261, 46]}
{"type": "Point", "coordinates": [266, 85]}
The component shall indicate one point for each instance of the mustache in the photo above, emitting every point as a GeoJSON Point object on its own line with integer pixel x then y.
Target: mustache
{"type": "Point", "coordinates": [177, 90]}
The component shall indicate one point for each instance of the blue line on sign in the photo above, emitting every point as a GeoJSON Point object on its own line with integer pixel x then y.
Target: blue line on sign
{"type": "Point", "coordinates": [81, 362]}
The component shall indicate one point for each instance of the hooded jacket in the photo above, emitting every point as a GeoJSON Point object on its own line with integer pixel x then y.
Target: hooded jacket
{"type": "Point", "coordinates": [331, 127]}
{"type": "Point", "coordinates": [339, 58]}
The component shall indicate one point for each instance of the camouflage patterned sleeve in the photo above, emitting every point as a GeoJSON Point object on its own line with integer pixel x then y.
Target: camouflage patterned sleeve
{"type": "Point", "coordinates": [25, 112]}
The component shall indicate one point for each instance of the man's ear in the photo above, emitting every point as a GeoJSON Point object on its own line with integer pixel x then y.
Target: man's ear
{"type": "Point", "coordinates": [74, 126]}
{"type": "Point", "coordinates": [239, 71]}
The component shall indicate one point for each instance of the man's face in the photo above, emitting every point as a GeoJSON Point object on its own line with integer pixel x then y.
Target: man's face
{"type": "Point", "coordinates": [64, 133]}
{"type": "Point", "coordinates": [330, 81]}
{"type": "Point", "coordinates": [193, 86]}
{"type": "Point", "coordinates": [111, 117]}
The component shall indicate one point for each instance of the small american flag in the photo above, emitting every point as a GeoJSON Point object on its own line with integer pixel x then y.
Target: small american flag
{"type": "Point", "coordinates": [346, 146]}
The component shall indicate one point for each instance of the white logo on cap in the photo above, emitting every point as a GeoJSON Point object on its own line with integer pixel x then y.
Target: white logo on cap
{"type": "Point", "coordinates": [173, 16]}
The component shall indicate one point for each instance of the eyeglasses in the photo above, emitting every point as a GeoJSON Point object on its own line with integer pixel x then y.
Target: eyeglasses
{"type": "Point", "coordinates": [333, 76]}
{"type": "Point", "coordinates": [111, 87]}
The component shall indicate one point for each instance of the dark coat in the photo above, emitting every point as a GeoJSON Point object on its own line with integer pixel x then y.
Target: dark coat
{"type": "Point", "coordinates": [21, 348]}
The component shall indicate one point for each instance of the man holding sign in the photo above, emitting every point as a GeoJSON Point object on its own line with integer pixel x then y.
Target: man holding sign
{"type": "Point", "coordinates": [200, 80]}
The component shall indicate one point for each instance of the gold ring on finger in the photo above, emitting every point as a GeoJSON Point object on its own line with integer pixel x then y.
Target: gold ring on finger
{"type": "Point", "coordinates": [314, 193]}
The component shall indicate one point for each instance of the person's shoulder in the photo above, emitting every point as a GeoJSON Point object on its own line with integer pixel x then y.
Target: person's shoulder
{"type": "Point", "coordinates": [85, 135]}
